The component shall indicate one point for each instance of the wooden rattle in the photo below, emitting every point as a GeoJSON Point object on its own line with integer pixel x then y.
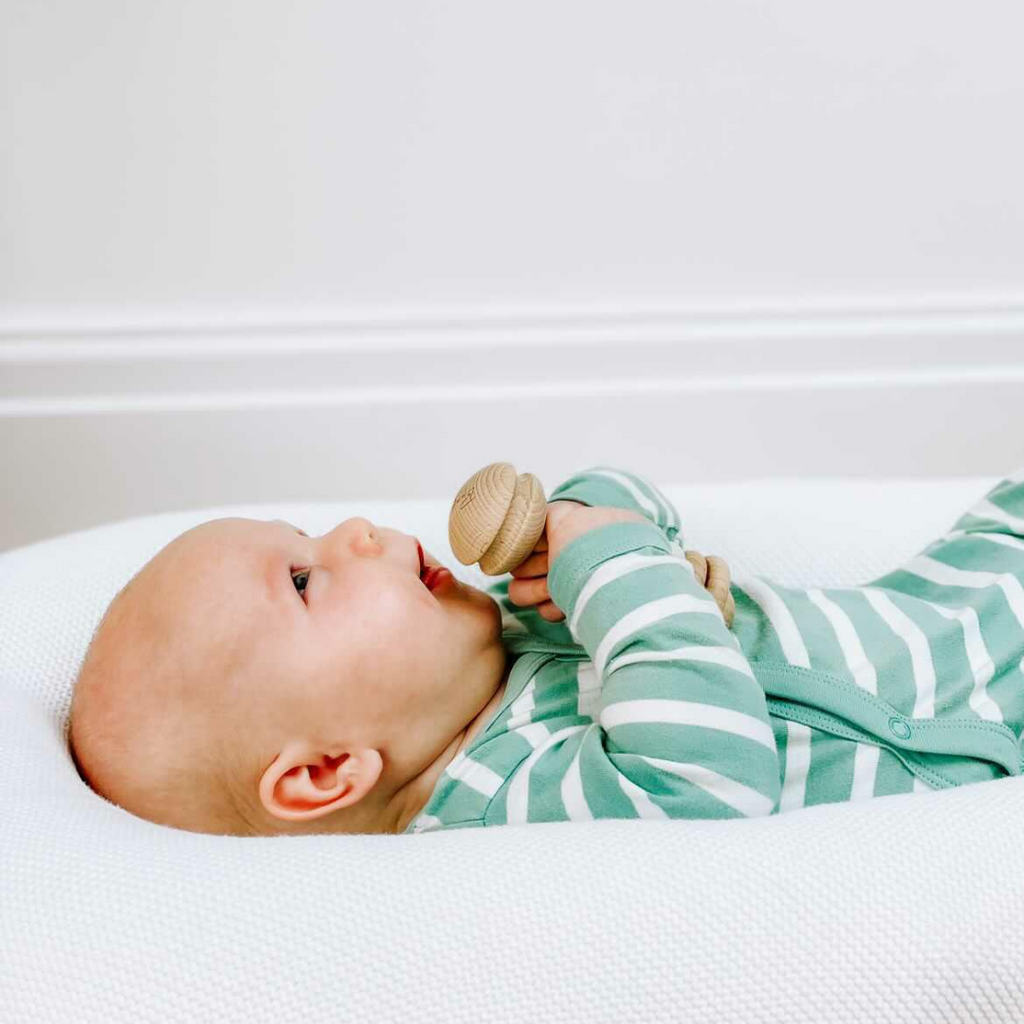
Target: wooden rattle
{"type": "Point", "coordinates": [497, 518]}
{"type": "Point", "coordinates": [499, 515]}
{"type": "Point", "coordinates": [713, 574]}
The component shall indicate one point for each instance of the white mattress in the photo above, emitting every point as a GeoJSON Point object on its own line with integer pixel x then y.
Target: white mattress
{"type": "Point", "coordinates": [907, 908]}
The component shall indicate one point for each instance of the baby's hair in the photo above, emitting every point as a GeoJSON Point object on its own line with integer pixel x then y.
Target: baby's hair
{"type": "Point", "coordinates": [112, 606]}
{"type": "Point", "coordinates": [96, 740]}
{"type": "Point", "coordinates": [91, 653]}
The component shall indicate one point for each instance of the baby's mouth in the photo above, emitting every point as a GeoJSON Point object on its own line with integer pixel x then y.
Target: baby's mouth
{"type": "Point", "coordinates": [431, 575]}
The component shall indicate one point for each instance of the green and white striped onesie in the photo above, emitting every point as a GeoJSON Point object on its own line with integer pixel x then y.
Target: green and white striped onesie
{"type": "Point", "coordinates": [643, 704]}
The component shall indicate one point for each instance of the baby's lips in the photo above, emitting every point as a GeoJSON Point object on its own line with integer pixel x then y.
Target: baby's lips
{"type": "Point", "coordinates": [427, 560]}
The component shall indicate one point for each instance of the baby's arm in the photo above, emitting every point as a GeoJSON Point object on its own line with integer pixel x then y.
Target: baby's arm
{"type": "Point", "coordinates": [682, 728]}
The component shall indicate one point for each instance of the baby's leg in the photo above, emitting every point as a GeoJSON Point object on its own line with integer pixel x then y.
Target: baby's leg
{"type": "Point", "coordinates": [958, 605]}
{"type": "Point", "coordinates": [989, 536]}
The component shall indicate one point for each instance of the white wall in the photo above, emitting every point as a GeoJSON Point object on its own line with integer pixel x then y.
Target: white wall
{"type": "Point", "coordinates": [220, 219]}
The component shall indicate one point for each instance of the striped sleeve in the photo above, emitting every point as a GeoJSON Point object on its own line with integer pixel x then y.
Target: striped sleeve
{"type": "Point", "coordinates": [681, 727]}
{"type": "Point", "coordinates": [1001, 510]}
{"type": "Point", "coordinates": [618, 488]}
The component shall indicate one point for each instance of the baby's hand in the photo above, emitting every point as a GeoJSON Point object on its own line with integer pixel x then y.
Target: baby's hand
{"type": "Point", "coordinates": [566, 520]}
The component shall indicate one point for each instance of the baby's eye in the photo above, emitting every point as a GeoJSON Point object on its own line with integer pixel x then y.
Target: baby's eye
{"type": "Point", "coordinates": [302, 574]}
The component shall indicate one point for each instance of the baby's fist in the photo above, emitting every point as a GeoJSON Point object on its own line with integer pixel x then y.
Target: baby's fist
{"type": "Point", "coordinates": [575, 521]}
{"type": "Point", "coordinates": [566, 520]}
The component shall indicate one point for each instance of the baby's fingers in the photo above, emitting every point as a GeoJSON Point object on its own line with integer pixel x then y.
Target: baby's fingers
{"type": "Point", "coordinates": [535, 565]}
{"type": "Point", "coordinates": [550, 611]}
{"type": "Point", "coordinates": [527, 592]}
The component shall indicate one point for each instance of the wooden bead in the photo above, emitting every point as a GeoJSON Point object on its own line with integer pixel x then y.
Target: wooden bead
{"type": "Point", "coordinates": [700, 566]}
{"type": "Point", "coordinates": [712, 573]}
{"type": "Point", "coordinates": [497, 518]}
{"type": "Point", "coordinates": [718, 585]}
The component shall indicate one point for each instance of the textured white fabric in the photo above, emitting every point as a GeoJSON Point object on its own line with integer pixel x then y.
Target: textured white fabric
{"type": "Point", "coordinates": [901, 908]}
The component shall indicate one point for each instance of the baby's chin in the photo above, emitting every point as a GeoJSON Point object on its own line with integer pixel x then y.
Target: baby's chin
{"type": "Point", "coordinates": [466, 593]}
{"type": "Point", "coordinates": [456, 594]}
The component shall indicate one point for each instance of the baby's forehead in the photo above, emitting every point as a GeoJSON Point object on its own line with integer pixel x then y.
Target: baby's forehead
{"type": "Point", "coordinates": [210, 581]}
{"type": "Point", "coordinates": [219, 556]}
{"type": "Point", "coordinates": [233, 527]}
{"type": "Point", "coordinates": [224, 538]}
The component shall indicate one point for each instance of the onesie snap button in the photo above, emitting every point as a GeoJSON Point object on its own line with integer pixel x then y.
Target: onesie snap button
{"type": "Point", "coordinates": [899, 728]}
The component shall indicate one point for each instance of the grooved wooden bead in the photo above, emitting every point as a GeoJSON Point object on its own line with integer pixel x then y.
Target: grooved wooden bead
{"type": "Point", "coordinates": [718, 585]}
{"type": "Point", "coordinates": [700, 566]}
{"type": "Point", "coordinates": [497, 518]}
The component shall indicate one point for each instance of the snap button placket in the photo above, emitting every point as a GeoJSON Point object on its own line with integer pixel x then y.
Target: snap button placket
{"type": "Point", "coordinates": [899, 728]}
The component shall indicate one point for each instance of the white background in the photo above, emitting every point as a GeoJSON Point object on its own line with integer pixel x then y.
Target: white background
{"type": "Point", "coordinates": [262, 251]}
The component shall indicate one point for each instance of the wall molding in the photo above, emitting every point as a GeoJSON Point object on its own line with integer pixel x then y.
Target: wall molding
{"type": "Point", "coordinates": [102, 424]}
{"type": "Point", "coordinates": [633, 387]}
{"type": "Point", "coordinates": [122, 368]}
{"type": "Point", "coordinates": [95, 336]}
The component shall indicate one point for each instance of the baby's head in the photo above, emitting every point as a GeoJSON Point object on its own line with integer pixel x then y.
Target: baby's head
{"type": "Point", "coordinates": [252, 680]}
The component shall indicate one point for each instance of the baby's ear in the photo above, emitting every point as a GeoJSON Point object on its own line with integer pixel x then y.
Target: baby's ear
{"type": "Point", "coordinates": [302, 784]}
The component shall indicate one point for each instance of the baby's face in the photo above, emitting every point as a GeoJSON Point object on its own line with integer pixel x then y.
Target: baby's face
{"type": "Point", "coordinates": [342, 648]}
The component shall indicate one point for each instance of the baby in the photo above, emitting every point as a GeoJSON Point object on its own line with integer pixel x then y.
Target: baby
{"type": "Point", "coordinates": [253, 680]}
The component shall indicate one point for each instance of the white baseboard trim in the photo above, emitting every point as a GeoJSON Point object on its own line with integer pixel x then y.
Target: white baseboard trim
{"type": "Point", "coordinates": [109, 421]}
{"type": "Point", "coordinates": [122, 369]}
{"type": "Point", "coordinates": [467, 324]}
{"type": "Point", "coordinates": [470, 394]}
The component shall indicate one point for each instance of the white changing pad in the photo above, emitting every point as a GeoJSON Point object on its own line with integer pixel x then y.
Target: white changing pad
{"type": "Point", "coordinates": [906, 907]}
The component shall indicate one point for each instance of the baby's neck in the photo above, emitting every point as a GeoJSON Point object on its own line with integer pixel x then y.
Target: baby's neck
{"type": "Point", "coordinates": [412, 798]}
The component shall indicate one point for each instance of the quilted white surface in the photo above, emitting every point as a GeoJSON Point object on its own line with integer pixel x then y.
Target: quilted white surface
{"type": "Point", "coordinates": [904, 908]}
